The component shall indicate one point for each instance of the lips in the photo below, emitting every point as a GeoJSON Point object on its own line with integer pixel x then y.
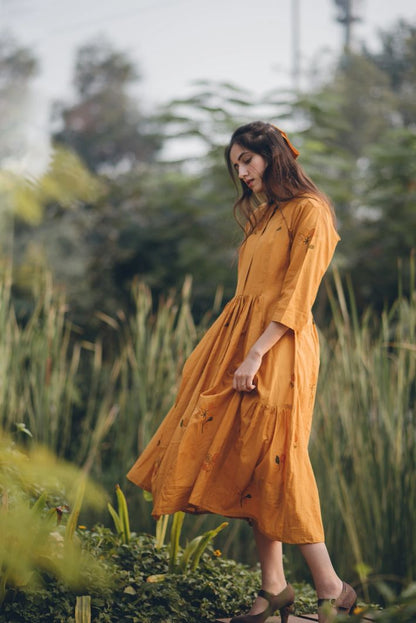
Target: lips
{"type": "Point", "coordinates": [249, 183]}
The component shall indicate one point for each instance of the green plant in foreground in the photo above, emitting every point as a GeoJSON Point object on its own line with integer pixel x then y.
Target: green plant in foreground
{"type": "Point", "coordinates": [161, 523]}
{"type": "Point", "coordinates": [216, 587]}
{"type": "Point", "coordinates": [121, 518]}
{"type": "Point", "coordinates": [180, 560]}
{"type": "Point", "coordinates": [32, 545]}
{"type": "Point", "coordinates": [188, 558]}
{"type": "Point", "coordinates": [83, 609]}
{"type": "Point", "coordinates": [399, 608]}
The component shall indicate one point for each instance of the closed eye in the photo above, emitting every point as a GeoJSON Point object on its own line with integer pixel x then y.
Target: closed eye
{"type": "Point", "coordinates": [246, 161]}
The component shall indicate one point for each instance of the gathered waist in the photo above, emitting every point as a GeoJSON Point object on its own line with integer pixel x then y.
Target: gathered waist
{"type": "Point", "coordinates": [260, 305]}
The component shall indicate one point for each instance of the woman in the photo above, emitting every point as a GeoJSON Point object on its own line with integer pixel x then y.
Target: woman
{"type": "Point", "coordinates": [235, 442]}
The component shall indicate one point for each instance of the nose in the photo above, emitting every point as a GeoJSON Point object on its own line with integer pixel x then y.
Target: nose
{"type": "Point", "coordinates": [242, 172]}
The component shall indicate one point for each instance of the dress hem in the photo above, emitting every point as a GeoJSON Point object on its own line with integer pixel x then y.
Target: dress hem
{"type": "Point", "coordinates": [251, 519]}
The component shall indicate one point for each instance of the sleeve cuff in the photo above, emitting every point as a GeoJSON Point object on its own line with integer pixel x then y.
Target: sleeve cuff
{"type": "Point", "coordinates": [292, 318]}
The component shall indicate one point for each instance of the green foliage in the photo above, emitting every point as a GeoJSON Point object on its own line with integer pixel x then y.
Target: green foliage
{"type": "Point", "coordinates": [32, 545]}
{"type": "Point", "coordinates": [17, 67]}
{"type": "Point", "coordinates": [358, 141]}
{"type": "Point", "coordinates": [66, 181]}
{"type": "Point", "coordinates": [175, 534]}
{"type": "Point", "coordinates": [180, 561]}
{"type": "Point", "coordinates": [362, 444]}
{"type": "Point", "coordinates": [218, 587]}
{"type": "Point", "coordinates": [121, 518]}
{"type": "Point", "coordinates": [104, 125]}
{"type": "Point", "coordinates": [399, 608]}
{"type": "Point", "coordinates": [396, 58]}
{"type": "Point", "coordinates": [61, 388]}
{"type": "Point", "coordinates": [388, 220]}
{"type": "Point", "coordinates": [165, 209]}
{"type": "Point", "coordinates": [42, 369]}
{"type": "Point", "coordinates": [72, 522]}
{"type": "Point", "coordinates": [83, 609]}
{"type": "Point", "coordinates": [161, 528]}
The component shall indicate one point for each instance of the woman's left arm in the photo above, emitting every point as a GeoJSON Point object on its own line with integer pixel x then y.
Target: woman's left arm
{"type": "Point", "coordinates": [245, 373]}
{"type": "Point", "coordinates": [314, 241]}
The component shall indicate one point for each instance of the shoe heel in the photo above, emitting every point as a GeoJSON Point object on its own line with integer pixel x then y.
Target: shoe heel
{"type": "Point", "coordinates": [286, 611]}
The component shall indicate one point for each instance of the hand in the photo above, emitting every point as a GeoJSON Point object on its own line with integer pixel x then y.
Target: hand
{"type": "Point", "coordinates": [244, 375]}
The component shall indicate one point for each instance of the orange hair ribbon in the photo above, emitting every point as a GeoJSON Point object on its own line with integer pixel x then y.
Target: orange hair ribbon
{"type": "Point", "coordinates": [295, 152]}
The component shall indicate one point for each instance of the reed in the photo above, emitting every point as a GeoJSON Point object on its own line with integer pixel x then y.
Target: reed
{"type": "Point", "coordinates": [37, 367]}
{"type": "Point", "coordinates": [363, 445]}
{"type": "Point", "coordinates": [153, 348]}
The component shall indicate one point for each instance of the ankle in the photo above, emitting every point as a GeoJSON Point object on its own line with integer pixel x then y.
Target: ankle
{"type": "Point", "coordinates": [330, 589]}
{"type": "Point", "coordinates": [274, 587]}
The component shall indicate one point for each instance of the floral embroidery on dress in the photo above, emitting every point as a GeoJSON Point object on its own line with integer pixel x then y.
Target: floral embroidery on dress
{"type": "Point", "coordinates": [205, 418]}
{"type": "Point", "coordinates": [280, 460]}
{"type": "Point", "coordinates": [248, 496]}
{"type": "Point", "coordinates": [209, 462]}
{"type": "Point", "coordinates": [306, 238]}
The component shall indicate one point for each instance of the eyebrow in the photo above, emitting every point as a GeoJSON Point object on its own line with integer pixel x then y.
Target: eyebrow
{"type": "Point", "coordinates": [239, 157]}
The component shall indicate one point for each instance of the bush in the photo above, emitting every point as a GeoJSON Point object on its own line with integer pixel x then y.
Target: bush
{"type": "Point", "coordinates": [143, 590]}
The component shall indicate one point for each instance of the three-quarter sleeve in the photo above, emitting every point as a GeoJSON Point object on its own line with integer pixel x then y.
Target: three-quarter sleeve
{"type": "Point", "coordinates": [314, 239]}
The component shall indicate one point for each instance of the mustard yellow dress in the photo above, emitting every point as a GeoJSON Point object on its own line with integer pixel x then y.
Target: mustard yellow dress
{"type": "Point", "coordinates": [243, 454]}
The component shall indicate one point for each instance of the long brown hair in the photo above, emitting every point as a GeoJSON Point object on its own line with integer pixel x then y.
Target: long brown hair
{"type": "Point", "coordinates": [283, 178]}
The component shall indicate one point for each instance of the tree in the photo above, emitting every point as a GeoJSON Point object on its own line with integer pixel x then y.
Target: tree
{"type": "Point", "coordinates": [27, 185]}
{"type": "Point", "coordinates": [104, 124]}
{"type": "Point", "coordinates": [349, 121]}
{"type": "Point", "coordinates": [396, 59]}
{"type": "Point", "coordinates": [386, 235]}
{"type": "Point", "coordinates": [17, 68]}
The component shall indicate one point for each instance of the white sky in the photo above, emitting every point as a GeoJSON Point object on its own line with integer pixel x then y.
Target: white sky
{"type": "Point", "coordinates": [247, 42]}
{"type": "Point", "coordinates": [173, 42]}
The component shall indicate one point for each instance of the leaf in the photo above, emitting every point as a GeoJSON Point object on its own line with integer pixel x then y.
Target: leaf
{"type": "Point", "coordinates": [202, 545]}
{"type": "Point", "coordinates": [129, 590]}
{"type": "Point", "coordinates": [189, 551]}
{"type": "Point", "coordinates": [158, 577]}
{"type": "Point", "coordinates": [21, 427]}
{"type": "Point", "coordinates": [116, 519]}
{"type": "Point", "coordinates": [123, 513]}
{"type": "Point", "coordinates": [73, 517]}
{"type": "Point", "coordinates": [174, 539]}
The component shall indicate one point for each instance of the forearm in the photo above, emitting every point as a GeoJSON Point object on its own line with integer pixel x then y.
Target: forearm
{"type": "Point", "coordinates": [272, 334]}
{"type": "Point", "coordinates": [244, 375]}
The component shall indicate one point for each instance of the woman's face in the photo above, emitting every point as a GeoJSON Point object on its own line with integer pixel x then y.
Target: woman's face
{"type": "Point", "coordinates": [249, 167]}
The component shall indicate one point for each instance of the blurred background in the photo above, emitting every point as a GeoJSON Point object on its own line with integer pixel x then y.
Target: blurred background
{"type": "Point", "coordinates": [114, 197]}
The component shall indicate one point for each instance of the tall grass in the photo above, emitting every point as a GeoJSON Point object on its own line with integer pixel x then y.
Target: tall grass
{"type": "Point", "coordinates": [363, 446]}
{"type": "Point", "coordinates": [37, 367]}
{"type": "Point", "coordinates": [153, 348]}
{"type": "Point", "coordinates": [101, 411]}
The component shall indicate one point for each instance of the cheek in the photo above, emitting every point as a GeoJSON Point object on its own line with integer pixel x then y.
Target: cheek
{"type": "Point", "coordinates": [261, 166]}
{"type": "Point", "coordinates": [258, 167]}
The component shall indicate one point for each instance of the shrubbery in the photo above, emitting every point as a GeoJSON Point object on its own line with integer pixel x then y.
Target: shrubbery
{"type": "Point", "coordinates": [142, 589]}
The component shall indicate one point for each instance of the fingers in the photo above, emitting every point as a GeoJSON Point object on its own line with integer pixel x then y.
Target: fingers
{"type": "Point", "coordinates": [243, 383]}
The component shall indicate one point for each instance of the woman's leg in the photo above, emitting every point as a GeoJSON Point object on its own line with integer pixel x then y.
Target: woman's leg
{"type": "Point", "coordinates": [272, 572]}
{"type": "Point", "coordinates": [327, 583]}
